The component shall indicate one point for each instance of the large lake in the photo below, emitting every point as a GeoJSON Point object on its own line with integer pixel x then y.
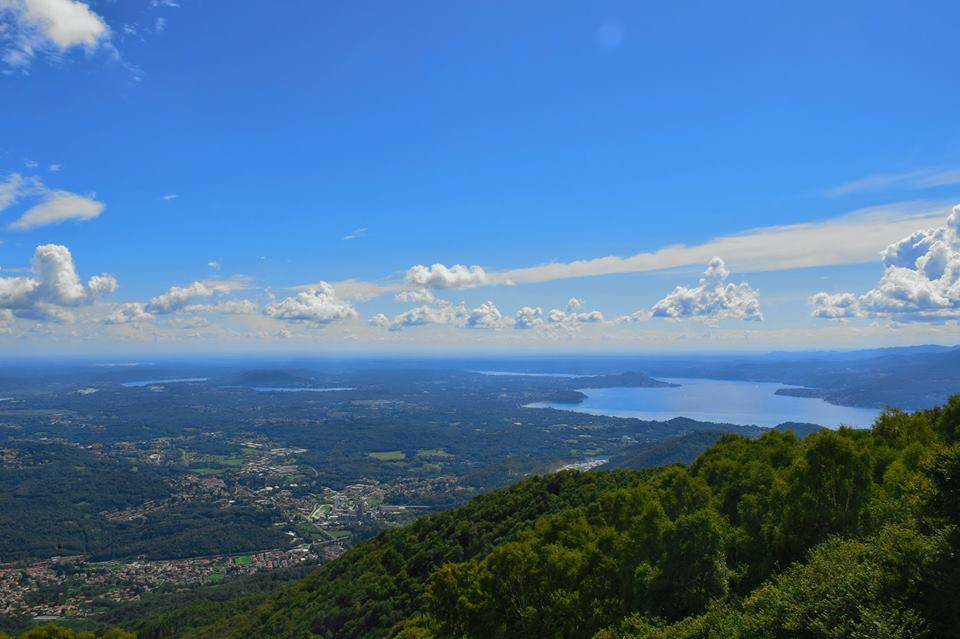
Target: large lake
{"type": "Point", "coordinates": [712, 400]}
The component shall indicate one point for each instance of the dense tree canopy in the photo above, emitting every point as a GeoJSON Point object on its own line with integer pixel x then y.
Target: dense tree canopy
{"type": "Point", "coordinates": [845, 534]}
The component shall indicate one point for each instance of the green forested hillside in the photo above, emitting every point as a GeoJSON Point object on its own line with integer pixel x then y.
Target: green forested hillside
{"type": "Point", "coordinates": [844, 534]}
{"type": "Point", "coordinates": [682, 449]}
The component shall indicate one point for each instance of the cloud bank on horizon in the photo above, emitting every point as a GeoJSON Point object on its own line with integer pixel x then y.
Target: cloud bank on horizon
{"type": "Point", "coordinates": [921, 283]}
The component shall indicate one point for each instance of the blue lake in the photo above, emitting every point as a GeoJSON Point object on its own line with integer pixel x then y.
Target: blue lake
{"type": "Point", "coordinates": [722, 401]}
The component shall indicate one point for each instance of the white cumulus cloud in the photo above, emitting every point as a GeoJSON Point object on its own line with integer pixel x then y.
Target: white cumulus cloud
{"type": "Point", "coordinates": [415, 296]}
{"type": "Point", "coordinates": [319, 306]}
{"type": "Point", "coordinates": [440, 276]}
{"type": "Point", "coordinates": [54, 285]}
{"type": "Point", "coordinates": [48, 26]}
{"type": "Point", "coordinates": [556, 316]}
{"type": "Point", "coordinates": [442, 313]}
{"type": "Point", "coordinates": [636, 316]}
{"type": "Point", "coordinates": [528, 317]}
{"type": "Point", "coordinates": [835, 306]}
{"type": "Point", "coordinates": [130, 313]}
{"type": "Point", "coordinates": [178, 297]}
{"type": "Point", "coordinates": [920, 282]}
{"type": "Point", "coordinates": [379, 320]}
{"type": "Point", "coordinates": [713, 299]}
{"type": "Point", "coordinates": [570, 317]}
{"type": "Point", "coordinates": [487, 315]}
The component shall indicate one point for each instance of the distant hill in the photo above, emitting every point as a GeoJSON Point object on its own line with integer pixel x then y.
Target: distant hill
{"type": "Point", "coordinates": [630, 379]}
{"type": "Point", "coordinates": [569, 393]}
{"type": "Point", "coordinates": [905, 380]}
{"type": "Point", "coordinates": [297, 378]}
{"type": "Point", "coordinates": [867, 353]}
{"type": "Point", "coordinates": [800, 429]}
{"type": "Point", "coordinates": [911, 379]}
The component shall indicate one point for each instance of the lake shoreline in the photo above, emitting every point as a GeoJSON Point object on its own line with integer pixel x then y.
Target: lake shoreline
{"type": "Point", "coordinates": [743, 403]}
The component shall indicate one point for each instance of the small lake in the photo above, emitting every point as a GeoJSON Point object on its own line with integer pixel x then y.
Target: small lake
{"type": "Point", "coordinates": [721, 401]}
{"type": "Point", "coordinates": [151, 382]}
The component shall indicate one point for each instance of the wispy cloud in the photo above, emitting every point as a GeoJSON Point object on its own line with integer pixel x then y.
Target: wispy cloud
{"type": "Point", "coordinates": [854, 238]}
{"type": "Point", "coordinates": [356, 234]}
{"type": "Point", "coordinates": [11, 189]}
{"type": "Point", "coordinates": [51, 207]}
{"type": "Point", "coordinates": [909, 180]}
{"type": "Point", "coordinates": [56, 207]}
{"type": "Point", "coordinates": [170, 196]}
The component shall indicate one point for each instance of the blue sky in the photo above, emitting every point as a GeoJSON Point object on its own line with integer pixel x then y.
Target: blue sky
{"type": "Point", "coordinates": [501, 136]}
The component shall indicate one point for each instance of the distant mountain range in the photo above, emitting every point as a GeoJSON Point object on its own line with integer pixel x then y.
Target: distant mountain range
{"type": "Point", "coordinates": [860, 354]}
{"type": "Point", "coordinates": [910, 379]}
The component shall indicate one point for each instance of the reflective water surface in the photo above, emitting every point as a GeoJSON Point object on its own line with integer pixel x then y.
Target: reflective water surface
{"type": "Point", "coordinates": [721, 401]}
